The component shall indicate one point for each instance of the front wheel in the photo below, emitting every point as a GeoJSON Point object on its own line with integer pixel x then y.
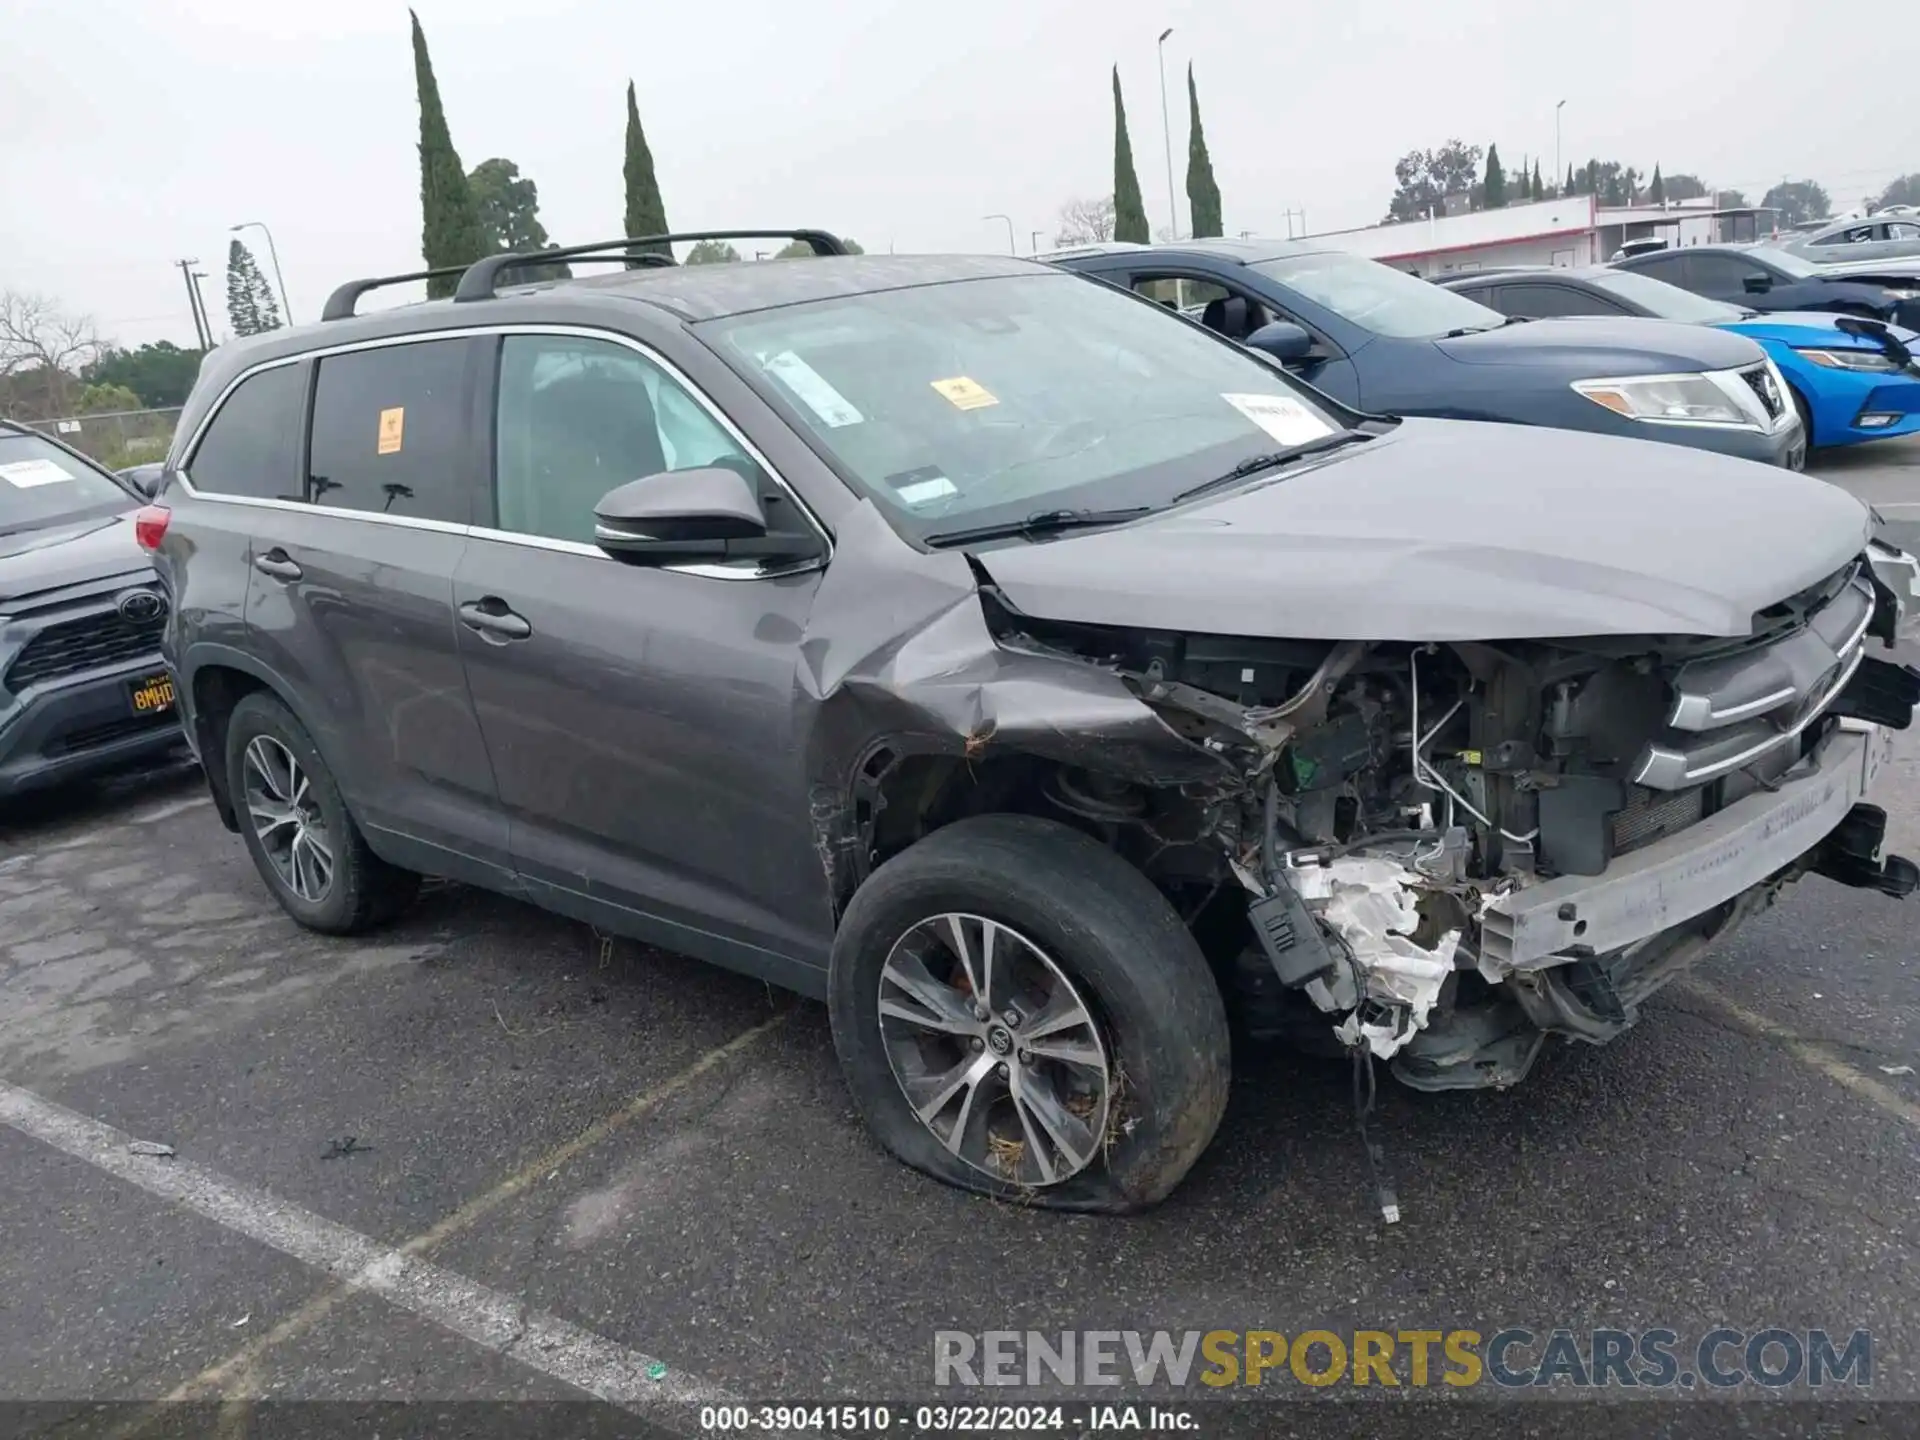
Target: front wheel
{"type": "Point", "coordinates": [1019, 1012]}
{"type": "Point", "coordinates": [1805, 412]}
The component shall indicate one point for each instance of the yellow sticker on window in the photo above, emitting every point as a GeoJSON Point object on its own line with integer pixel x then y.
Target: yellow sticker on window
{"type": "Point", "coordinates": [393, 425]}
{"type": "Point", "coordinates": [965, 394]}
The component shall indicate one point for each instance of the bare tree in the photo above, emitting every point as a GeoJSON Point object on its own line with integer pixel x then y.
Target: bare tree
{"type": "Point", "coordinates": [42, 350]}
{"type": "Point", "coordinates": [1085, 222]}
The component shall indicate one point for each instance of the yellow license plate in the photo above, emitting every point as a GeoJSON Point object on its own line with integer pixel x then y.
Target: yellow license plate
{"type": "Point", "coordinates": [152, 695]}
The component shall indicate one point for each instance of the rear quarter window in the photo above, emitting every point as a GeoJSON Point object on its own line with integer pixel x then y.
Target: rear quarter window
{"type": "Point", "coordinates": [252, 446]}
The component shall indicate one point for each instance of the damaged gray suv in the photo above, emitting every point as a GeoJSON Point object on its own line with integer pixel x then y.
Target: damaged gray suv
{"type": "Point", "coordinates": [1049, 685]}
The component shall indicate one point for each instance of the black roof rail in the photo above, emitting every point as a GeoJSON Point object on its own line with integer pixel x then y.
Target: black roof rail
{"type": "Point", "coordinates": [340, 303]}
{"type": "Point", "coordinates": [480, 278]}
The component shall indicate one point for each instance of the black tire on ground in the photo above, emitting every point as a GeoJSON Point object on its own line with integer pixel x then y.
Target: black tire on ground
{"type": "Point", "coordinates": [365, 890]}
{"type": "Point", "coordinates": [1121, 945]}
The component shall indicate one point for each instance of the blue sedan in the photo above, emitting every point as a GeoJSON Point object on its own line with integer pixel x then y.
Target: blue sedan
{"type": "Point", "coordinates": [1852, 379]}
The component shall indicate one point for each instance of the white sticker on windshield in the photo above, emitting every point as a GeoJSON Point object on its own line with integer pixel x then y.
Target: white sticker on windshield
{"type": "Point", "coordinates": [925, 492]}
{"type": "Point", "coordinates": [1281, 416]}
{"type": "Point", "coordinates": [25, 474]}
{"type": "Point", "coordinates": [811, 386]}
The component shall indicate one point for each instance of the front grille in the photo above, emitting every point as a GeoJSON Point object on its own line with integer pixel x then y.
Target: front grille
{"type": "Point", "coordinates": [1761, 381]}
{"type": "Point", "coordinates": [1651, 814]}
{"type": "Point", "coordinates": [72, 647]}
{"type": "Point", "coordinates": [75, 741]}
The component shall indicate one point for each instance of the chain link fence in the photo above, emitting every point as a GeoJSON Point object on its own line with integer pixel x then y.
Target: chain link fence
{"type": "Point", "coordinates": [118, 439]}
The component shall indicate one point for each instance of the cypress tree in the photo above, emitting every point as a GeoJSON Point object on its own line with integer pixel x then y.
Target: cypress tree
{"type": "Point", "coordinates": [1657, 191]}
{"type": "Point", "coordinates": [646, 211]}
{"type": "Point", "coordinates": [1539, 190]}
{"type": "Point", "coordinates": [450, 231]}
{"type": "Point", "coordinates": [1203, 194]}
{"type": "Point", "coordinates": [1496, 192]}
{"type": "Point", "coordinates": [1568, 189]}
{"type": "Point", "coordinates": [1129, 211]}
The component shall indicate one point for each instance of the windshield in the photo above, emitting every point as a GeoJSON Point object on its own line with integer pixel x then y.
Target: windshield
{"type": "Point", "coordinates": [1664, 301]}
{"type": "Point", "coordinates": [1794, 265]}
{"type": "Point", "coordinates": [41, 485]}
{"type": "Point", "coordinates": [1378, 297]}
{"type": "Point", "coordinates": [997, 399]}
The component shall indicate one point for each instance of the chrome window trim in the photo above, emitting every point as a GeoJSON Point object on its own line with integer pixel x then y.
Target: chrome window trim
{"type": "Point", "coordinates": [183, 475]}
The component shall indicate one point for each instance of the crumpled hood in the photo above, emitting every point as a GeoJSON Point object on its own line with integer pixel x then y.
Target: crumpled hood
{"type": "Point", "coordinates": [1588, 347]}
{"type": "Point", "coordinates": [97, 547]}
{"type": "Point", "coordinates": [1454, 530]}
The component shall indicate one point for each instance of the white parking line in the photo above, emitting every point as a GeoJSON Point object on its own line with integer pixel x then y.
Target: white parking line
{"type": "Point", "coordinates": [169, 810]}
{"type": "Point", "coordinates": [488, 1317]}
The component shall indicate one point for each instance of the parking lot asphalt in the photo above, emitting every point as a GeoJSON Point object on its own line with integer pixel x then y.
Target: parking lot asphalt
{"type": "Point", "coordinates": [489, 1154]}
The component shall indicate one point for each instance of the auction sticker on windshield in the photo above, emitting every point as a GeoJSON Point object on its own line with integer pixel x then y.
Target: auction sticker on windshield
{"type": "Point", "coordinates": [1281, 416]}
{"type": "Point", "coordinates": [26, 474]}
{"type": "Point", "coordinates": [812, 389]}
{"type": "Point", "coordinates": [964, 393]}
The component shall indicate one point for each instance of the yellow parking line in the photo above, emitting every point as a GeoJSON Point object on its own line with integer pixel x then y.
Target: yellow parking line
{"type": "Point", "coordinates": [1811, 1054]}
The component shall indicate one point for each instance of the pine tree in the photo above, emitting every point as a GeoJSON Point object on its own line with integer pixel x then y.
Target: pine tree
{"type": "Point", "coordinates": [1496, 191]}
{"type": "Point", "coordinates": [250, 305]}
{"type": "Point", "coordinates": [1657, 191]}
{"type": "Point", "coordinates": [450, 224]}
{"type": "Point", "coordinates": [646, 211]}
{"type": "Point", "coordinates": [1129, 211]}
{"type": "Point", "coordinates": [1539, 190]}
{"type": "Point", "coordinates": [1203, 194]}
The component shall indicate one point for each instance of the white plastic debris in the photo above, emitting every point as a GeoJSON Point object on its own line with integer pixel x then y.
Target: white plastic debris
{"type": "Point", "coordinates": [1368, 901]}
{"type": "Point", "coordinates": [149, 1147]}
{"type": "Point", "coordinates": [1896, 1069]}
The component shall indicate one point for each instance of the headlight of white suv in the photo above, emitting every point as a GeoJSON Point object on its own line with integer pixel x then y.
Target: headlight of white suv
{"type": "Point", "coordinates": [1671, 400]}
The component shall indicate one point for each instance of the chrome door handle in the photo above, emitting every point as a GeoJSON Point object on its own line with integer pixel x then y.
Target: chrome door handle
{"type": "Point", "coordinates": [276, 564]}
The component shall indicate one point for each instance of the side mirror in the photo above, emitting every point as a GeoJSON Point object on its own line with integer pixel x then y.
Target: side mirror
{"type": "Point", "coordinates": [1758, 284]}
{"type": "Point", "coordinates": [144, 478]}
{"type": "Point", "coordinates": [679, 516]}
{"type": "Point", "coordinates": [1283, 340]}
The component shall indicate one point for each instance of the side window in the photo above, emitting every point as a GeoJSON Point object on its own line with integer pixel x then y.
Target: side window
{"type": "Point", "coordinates": [1221, 310]}
{"type": "Point", "coordinates": [1719, 275]}
{"type": "Point", "coordinates": [252, 448]}
{"type": "Point", "coordinates": [389, 433]}
{"type": "Point", "coordinates": [1661, 267]}
{"type": "Point", "coordinates": [1543, 302]}
{"type": "Point", "coordinates": [578, 417]}
{"type": "Point", "coordinates": [1900, 231]}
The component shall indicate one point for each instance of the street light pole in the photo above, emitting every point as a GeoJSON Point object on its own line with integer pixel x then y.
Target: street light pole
{"type": "Point", "coordinates": [1012, 246]}
{"type": "Point", "coordinates": [1166, 133]}
{"type": "Point", "coordinates": [1036, 241]}
{"type": "Point", "coordinates": [1557, 171]}
{"type": "Point", "coordinates": [273, 254]}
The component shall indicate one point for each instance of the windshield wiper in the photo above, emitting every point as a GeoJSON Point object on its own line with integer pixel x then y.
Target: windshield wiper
{"type": "Point", "coordinates": [1254, 464]}
{"type": "Point", "coordinates": [1041, 522]}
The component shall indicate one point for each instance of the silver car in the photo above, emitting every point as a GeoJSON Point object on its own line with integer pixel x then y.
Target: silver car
{"type": "Point", "coordinates": [1878, 237]}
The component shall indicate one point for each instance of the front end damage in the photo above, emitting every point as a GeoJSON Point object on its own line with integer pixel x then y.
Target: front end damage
{"type": "Point", "coordinates": [1434, 854]}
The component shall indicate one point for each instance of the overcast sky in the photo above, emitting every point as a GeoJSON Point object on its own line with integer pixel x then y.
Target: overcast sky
{"type": "Point", "coordinates": [134, 132]}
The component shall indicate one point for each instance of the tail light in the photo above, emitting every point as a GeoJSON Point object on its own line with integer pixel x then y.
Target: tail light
{"type": "Point", "coordinates": [150, 526]}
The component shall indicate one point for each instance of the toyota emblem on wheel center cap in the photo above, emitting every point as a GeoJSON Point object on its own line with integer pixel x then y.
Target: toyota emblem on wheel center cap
{"type": "Point", "coordinates": [140, 607]}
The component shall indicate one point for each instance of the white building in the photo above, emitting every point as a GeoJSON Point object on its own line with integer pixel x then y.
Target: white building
{"type": "Point", "coordinates": [1573, 230]}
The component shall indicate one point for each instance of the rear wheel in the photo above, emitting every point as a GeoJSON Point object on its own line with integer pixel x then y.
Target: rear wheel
{"type": "Point", "coordinates": [297, 828]}
{"type": "Point", "coordinates": [1020, 1013]}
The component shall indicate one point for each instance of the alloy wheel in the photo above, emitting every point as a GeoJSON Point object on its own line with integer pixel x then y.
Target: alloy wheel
{"type": "Point", "coordinates": [995, 1049]}
{"type": "Point", "coordinates": [286, 819]}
